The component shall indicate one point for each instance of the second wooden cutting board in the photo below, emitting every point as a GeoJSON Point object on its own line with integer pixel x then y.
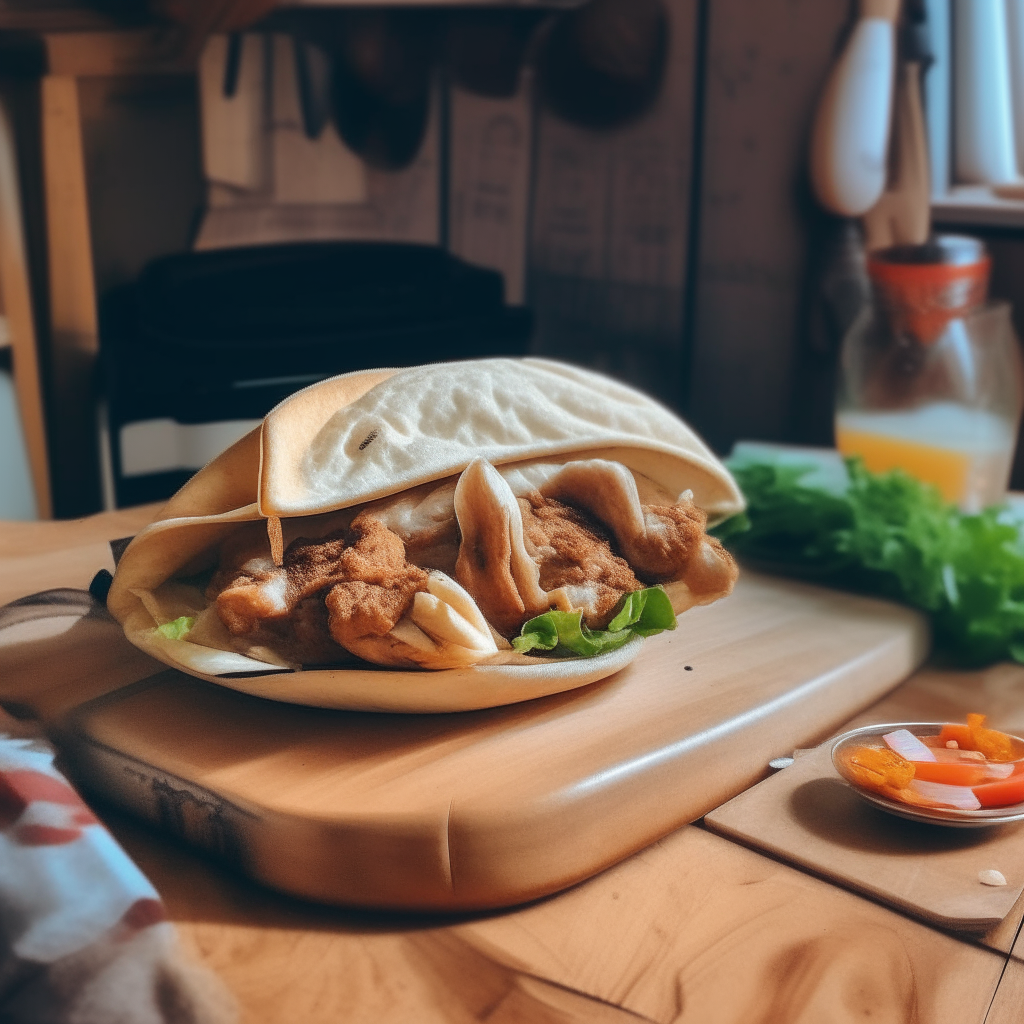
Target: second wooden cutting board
{"type": "Point", "coordinates": [808, 816]}
{"type": "Point", "coordinates": [480, 809]}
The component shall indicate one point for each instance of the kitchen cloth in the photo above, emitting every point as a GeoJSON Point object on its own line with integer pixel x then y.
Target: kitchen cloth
{"type": "Point", "coordinates": [83, 934]}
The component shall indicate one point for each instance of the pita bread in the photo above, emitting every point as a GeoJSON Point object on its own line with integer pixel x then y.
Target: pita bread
{"type": "Point", "coordinates": [396, 441]}
{"type": "Point", "coordinates": [334, 445]}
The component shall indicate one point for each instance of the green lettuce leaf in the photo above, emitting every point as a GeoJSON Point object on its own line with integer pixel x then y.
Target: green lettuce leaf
{"type": "Point", "coordinates": [643, 613]}
{"type": "Point", "coordinates": [178, 629]}
{"type": "Point", "coordinates": [891, 535]}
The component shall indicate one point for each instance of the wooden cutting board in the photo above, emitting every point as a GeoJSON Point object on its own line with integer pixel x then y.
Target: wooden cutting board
{"type": "Point", "coordinates": [472, 810]}
{"type": "Point", "coordinates": [808, 816]}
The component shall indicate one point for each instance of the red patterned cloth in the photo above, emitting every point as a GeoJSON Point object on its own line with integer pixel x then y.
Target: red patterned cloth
{"type": "Point", "coordinates": [83, 934]}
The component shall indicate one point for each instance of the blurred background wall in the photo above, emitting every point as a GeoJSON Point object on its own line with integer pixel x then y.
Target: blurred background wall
{"type": "Point", "coordinates": [679, 250]}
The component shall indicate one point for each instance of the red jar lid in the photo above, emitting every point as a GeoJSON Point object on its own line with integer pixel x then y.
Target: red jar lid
{"type": "Point", "coordinates": [923, 287]}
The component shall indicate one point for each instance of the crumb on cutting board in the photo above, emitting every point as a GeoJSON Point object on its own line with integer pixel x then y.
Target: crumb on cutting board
{"type": "Point", "coordinates": [991, 877]}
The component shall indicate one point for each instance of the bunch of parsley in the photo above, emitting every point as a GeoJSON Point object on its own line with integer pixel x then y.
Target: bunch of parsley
{"type": "Point", "coordinates": [890, 535]}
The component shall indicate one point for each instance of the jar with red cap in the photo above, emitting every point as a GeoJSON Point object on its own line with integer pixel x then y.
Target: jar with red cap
{"type": "Point", "coordinates": [931, 379]}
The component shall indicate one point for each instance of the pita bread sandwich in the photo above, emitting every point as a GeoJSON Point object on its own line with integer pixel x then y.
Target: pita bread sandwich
{"type": "Point", "coordinates": [515, 525]}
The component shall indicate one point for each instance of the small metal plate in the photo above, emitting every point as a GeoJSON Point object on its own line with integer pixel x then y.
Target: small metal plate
{"type": "Point", "coordinates": [948, 816]}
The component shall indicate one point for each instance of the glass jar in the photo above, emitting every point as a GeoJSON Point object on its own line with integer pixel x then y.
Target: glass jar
{"type": "Point", "coordinates": [931, 379]}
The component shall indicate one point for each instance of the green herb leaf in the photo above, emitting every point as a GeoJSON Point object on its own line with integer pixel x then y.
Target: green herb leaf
{"type": "Point", "coordinates": [643, 613]}
{"type": "Point", "coordinates": [178, 629]}
{"type": "Point", "coordinates": [890, 535]}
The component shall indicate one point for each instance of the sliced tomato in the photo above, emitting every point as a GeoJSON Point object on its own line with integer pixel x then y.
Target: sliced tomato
{"type": "Point", "coordinates": [1004, 792]}
{"type": "Point", "coordinates": [953, 774]}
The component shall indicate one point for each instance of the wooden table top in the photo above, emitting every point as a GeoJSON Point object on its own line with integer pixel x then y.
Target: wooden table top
{"type": "Point", "coordinates": [695, 929]}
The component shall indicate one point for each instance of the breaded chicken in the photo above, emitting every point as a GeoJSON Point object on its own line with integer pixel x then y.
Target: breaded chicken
{"type": "Point", "coordinates": [328, 594]}
{"type": "Point", "coordinates": [574, 554]}
{"type": "Point", "coordinates": [579, 543]}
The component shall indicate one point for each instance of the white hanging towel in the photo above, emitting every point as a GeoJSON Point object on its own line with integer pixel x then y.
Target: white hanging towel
{"type": "Point", "coordinates": [1015, 38]}
{"type": "Point", "coordinates": [983, 115]}
{"type": "Point", "coordinates": [937, 95]}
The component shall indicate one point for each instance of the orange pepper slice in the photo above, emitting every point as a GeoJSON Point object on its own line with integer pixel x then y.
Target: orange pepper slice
{"type": "Point", "coordinates": [995, 745]}
{"type": "Point", "coordinates": [961, 734]}
{"type": "Point", "coordinates": [883, 771]}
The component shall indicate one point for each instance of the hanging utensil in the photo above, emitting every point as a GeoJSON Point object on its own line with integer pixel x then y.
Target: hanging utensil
{"type": "Point", "coordinates": [381, 83]}
{"type": "Point", "coordinates": [850, 137]}
{"type": "Point", "coordinates": [313, 78]}
{"type": "Point", "coordinates": [902, 216]}
{"type": "Point", "coordinates": [602, 65]}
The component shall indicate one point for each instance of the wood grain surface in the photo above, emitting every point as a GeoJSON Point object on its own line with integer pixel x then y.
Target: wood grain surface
{"type": "Point", "coordinates": [38, 556]}
{"type": "Point", "coordinates": [479, 809]}
{"type": "Point", "coordinates": [1008, 1002]}
{"type": "Point", "coordinates": [807, 815]}
{"type": "Point", "coordinates": [712, 932]}
{"type": "Point", "coordinates": [695, 929]}
{"type": "Point", "coordinates": [29, 540]}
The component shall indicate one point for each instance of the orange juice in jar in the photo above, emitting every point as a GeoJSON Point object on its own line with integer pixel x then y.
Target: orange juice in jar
{"type": "Point", "coordinates": [966, 453]}
{"type": "Point", "coordinates": [931, 377]}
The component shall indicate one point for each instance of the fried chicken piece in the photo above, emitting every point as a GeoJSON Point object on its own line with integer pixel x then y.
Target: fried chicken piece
{"type": "Point", "coordinates": [247, 586]}
{"type": "Point", "coordinates": [330, 594]}
{"type": "Point", "coordinates": [574, 555]}
{"type": "Point", "coordinates": [301, 637]}
{"type": "Point", "coordinates": [392, 612]}
{"type": "Point", "coordinates": [520, 557]}
{"type": "Point", "coordinates": [276, 606]}
{"type": "Point", "coordinates": [662, 543]}
{"type": "Point", "coordinates": [580, 542]}
{"type": "Point", "coordinates": [424, 518]}
{"type": "Point", "coordinates": [375, 585]}
{"type": "Point", "coordinates": [266, 590]}
{"type": "Point", "coordinates": [678, 549]}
